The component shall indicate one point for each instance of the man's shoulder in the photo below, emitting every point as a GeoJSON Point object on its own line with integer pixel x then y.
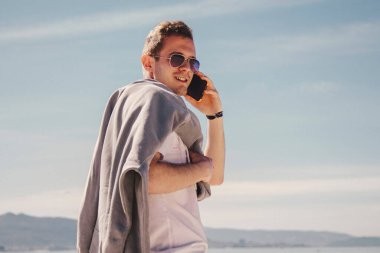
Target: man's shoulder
{"type": "Point", "coordinates": [145, 84]}
{"type": "Point", "coordinates": [145, 87]}
{"type": "Point", "coordinates": [148, 94]}
{"type": "Point", "coordinates": [147, 90]}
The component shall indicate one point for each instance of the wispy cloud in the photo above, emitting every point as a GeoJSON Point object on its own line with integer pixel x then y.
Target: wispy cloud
{"type": "Point", "coordinates": [360, 220]}
{"type": "Point", "coordinates": [322, 87]}
{"type": "Point", "coordinates": [331, 204]}
{"type": "Point", "coordinates": [64, 202]}
{"type": "Point", "coordinates": [325, 42]}
{"type": "Point", "coordinates": [298, 187]}
{"type": "Point", "coordinates": [348, 38]}
{"type": "Point", "coordinates": [111, 21]}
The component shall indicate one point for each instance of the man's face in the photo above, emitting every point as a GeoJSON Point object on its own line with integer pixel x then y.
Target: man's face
{"type": "Point", "coordinates": [176, 78]}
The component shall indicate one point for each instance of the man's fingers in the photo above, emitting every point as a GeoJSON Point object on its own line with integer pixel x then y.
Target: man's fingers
{"type": "Point", "coordinates": [210, 84]}
{"type": "Point", "coordinates": [191, 100]}
{"type": "Point", "coordinates": [158, 156]}
{"type": "Point", "coordinates": [196, 157]}
{"type": "Point", "coordinates": [212, 92]}
{"type": "Point", "coordinates": [194, 154]}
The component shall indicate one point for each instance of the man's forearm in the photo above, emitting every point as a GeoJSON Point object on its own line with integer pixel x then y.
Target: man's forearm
{"type": "Point", "coordinates": [167, 177]}
{"type": "Point", "coordinates": [210, 104]}
{"type": "Point", "coordinates": [215, 149]}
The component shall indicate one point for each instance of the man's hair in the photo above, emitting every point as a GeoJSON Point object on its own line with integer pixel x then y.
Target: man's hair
{"type": "Point", "coordinates": [155, 39]}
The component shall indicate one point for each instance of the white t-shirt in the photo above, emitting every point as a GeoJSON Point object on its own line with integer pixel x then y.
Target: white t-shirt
{"type": "Point", "coordinates": [174, 221]}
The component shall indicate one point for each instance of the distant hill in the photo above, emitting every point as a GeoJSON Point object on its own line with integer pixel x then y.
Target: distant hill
{"type": "Point", "coordinates": [285, 238]}
{"type": "Point", "coordinates": [24, 232]}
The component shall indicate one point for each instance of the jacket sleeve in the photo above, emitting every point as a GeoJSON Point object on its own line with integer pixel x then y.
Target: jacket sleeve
{"type": "Point", "coordinates": [89, 209]}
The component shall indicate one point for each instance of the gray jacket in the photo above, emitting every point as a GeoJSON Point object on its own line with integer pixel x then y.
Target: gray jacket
{"type": "Point", "coordinates": [136, 121]}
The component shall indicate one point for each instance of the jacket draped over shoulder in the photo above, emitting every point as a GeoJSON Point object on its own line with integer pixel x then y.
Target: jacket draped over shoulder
{"type": "Point", "coordinates": [137, 119]}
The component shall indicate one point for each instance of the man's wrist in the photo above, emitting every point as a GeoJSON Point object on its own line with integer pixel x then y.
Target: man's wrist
{"type": "Point", "coordinates": [215, 116]}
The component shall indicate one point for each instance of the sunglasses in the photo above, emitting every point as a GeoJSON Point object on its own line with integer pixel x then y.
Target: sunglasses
{"type": "Point", "coordinates": [177, 60]}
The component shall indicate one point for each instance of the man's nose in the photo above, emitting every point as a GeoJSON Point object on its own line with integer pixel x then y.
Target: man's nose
{"type": "Point", "coordinates": [185, 65]}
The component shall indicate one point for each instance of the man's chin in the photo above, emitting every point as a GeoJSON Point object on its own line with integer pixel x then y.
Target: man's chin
{"type": "Point", "coordinates": [181, 92]}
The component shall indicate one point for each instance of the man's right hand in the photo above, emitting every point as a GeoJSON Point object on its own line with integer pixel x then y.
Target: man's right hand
{"type": "Point", "coordinates": [204, 164]}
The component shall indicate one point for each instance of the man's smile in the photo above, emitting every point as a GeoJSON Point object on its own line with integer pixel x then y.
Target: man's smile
{"type": "Point", "coordinates": [181, 78]}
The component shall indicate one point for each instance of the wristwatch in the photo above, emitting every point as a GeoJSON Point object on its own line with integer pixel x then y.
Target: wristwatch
{"type": "Point", "coordinates": [216, 115]}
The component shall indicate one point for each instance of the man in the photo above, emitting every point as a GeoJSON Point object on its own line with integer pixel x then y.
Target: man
{"type": "Point", "coordinates": [148, 171]}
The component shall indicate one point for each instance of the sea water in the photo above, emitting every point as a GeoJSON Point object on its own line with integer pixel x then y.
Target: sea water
{"type": "Point", "coordinates": [263, 250]}
{"type": "Point", "coordinates": [298, 250]}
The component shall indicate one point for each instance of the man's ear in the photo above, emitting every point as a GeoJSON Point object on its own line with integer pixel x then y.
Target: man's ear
{"type": "Point", "coordinates": [147, 62]}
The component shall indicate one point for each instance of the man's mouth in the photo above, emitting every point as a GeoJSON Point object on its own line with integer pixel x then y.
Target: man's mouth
{"type": "Point", "coordinates": [180, 78]}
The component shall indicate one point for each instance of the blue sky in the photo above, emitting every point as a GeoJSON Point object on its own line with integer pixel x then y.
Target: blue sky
{"type": "Point", "coordinates": [300, 87]}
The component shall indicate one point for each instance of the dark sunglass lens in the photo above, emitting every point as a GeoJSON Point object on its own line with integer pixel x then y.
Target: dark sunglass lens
{"type": "Point", "coordinates": [176, 60]}
{"type": "Point", "coordinates": [194, 64]}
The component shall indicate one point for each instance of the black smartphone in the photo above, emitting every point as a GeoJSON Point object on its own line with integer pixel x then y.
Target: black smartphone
{"type": "Point", "coordinates": [197, 87]}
